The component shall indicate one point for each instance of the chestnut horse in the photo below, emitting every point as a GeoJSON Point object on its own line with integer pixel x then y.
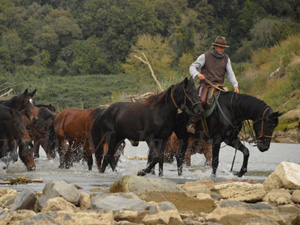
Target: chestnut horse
{"type": "Point", "coordinates": [152, 120]}
{"type": "Point", "coordinates": [71, 130]}
{"type": "Point", "coordinates": [194, 146]}
{"type": "Point", "coordinates": [13, 134]}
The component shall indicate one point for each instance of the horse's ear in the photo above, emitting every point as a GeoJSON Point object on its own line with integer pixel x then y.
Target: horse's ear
{"type": "Point", "coordinates": [186, 81]}
{"type": "Point", "coordinates": [279, 113]}
{"type": "Point", "coordinates": [26, 91]}
{"type": "Point", "coordinates": [33, 93]}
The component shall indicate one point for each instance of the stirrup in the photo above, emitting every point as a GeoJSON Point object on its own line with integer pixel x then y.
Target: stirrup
{"type": "Point", "coordinates": [191, 128]}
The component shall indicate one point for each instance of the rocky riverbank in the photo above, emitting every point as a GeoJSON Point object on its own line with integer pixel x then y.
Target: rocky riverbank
{"type": "Point", "coordinates": [141, 200]}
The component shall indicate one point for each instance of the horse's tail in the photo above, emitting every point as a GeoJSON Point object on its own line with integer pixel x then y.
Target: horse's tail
{"type": "Point", "coordinates": [52, 141]}
{"type": "Point", "coordinates": [96, 133]}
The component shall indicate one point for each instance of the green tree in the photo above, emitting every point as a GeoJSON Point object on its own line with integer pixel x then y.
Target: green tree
{"type": "Point", "coordinates": [158, 54]}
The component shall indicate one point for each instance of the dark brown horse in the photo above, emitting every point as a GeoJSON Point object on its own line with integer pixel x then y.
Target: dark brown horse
{"type": "Point", "coordinates": [22, 102]}
{"type": "Point", "coordinates": [71, 128]}
{"type": "Point", "coordinates": [38, 129]}
{"type": "Point", "coordinates": [13, 134]}
{"type": "Point", "coordinates": [152, 120]}
{"type": "Point", "coordinates": [194, 147]}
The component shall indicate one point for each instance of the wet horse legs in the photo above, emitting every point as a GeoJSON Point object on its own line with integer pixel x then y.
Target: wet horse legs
{"type": "Point", "coordinates": [156, 155]}
{"type": "Point", "coordinates": [239, 146]}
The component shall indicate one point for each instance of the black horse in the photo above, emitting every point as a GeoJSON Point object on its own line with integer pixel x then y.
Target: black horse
{"type": "Point", "coordinates": [151, 120]}
{"type": "Point", "coordinates": [13, 134]}
{"type": "Point", "coordinates": [225, 123]}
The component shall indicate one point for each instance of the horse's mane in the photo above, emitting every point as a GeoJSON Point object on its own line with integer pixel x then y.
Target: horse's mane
{"type": "Point", "coordinates": [250, 104]}
{"type": "Point", "coordinates": [96, 112]}
{"type": "Point", "coordinates": [158, 100]}
{"type": "Point", "coordinates": [5, 113]}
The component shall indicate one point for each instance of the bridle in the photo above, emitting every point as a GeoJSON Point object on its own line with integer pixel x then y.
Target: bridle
{"type": "Point", "coordinates": [188, 111]}
{"type": "Point", "coordinates": [262, 125]}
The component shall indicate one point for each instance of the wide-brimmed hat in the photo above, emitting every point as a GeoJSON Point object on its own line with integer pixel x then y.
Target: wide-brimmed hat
{"type": "Point", "coordinates": [220, 41]}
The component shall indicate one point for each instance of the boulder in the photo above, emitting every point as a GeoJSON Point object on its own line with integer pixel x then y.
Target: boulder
{"type": "Point", "coordinates": [240, 191]}
{"type": "Point", "coordinates": [286, 175]}
{"type": "Point", "coordinates": [59, 189]}
{"type": "Point", "coordinates": [296, 196]}
{"type": "Point", "coordinates": [13, 216]}
{"type": "Point", "coordinates": [162, 213]}
{"type": "Point", "coordinates": [182, 200]}
{"type": "Point", "coordinates": [6, 194]}
{"type": "Point", "coordinates": [234, 212]}
{"type": "Point", "coordinates": [25, 200]}
{"type": "Point", "coordinates": [118, 201]}
{"type": "Point", "coordinates": [59, 204]}
{"type": "Point", "coordinates": [84, 201]}
{"type": "Point", "coordinates": [289, 212]}
{"type": "Point", "coordinates": [138, 184]}
{"type": "Point", "coordinates": [278, 197]}
{"type": "Point", "coordinates": [60, 217]}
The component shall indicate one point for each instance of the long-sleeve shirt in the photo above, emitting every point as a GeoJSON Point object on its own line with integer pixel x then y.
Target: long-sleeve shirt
{"type": "Point", "coordinates": [199, 63]}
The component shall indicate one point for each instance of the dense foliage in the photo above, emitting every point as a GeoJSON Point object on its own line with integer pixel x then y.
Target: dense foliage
{"type": "Point", "coordinates": [88, 37]}
{"type": "Point", "coordinates": [56, 45]}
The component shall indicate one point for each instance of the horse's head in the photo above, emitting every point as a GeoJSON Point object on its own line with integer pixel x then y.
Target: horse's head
{"type": "Point", "coordinates": [264, 128]}
{"type": "Point", "coordinates": [191, 98]}
{"type": "Point", "coordinates": [25, 101]}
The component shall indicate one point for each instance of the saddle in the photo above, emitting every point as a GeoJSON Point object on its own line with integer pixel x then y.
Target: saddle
{"type": "Point", "coordinates": [207, 93]}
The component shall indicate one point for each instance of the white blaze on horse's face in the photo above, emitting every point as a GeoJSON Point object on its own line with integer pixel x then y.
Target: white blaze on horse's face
{"type": "Point", "coordinates": [31, 101]}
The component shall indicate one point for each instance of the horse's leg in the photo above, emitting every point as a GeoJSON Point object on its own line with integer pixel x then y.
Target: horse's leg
{"type": "Point", "coordinates": [36, 146]}
{"type": "Point", "coordinates": [183, 143]}
{"type": "Point", "coordinates": [237, 144]}
{"type": "Point", "coordinates": [63, 146]}
{"type": "Point", "coordinates": [207, 152]}
{"type": "Point", "coordinates": [161, 145]}
{"type": "Point", "coordinates": [152, 158]}
{"type": "Point", "coordinates": [109, 150]}
{"type": "Point", "coordinates": [114, 159]}
{"type": "Point", "coordinates": [88, 155]}
{"type": "Point", "coordinates": [215, 159]}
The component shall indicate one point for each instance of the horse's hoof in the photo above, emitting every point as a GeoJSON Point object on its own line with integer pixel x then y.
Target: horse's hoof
{"type": "Point", "coordinates": [141, 173]}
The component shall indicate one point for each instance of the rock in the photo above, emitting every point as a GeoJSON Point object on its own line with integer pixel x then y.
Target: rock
{"type": "Point", "coordinates": [6, 194]}
{"type": "Point", "coordinates": [286, 175]}
{"type": "Point", "coordinates": [60, 217]}
{"type": "Point", "coordinates": [59, 189]}
{"type": "Point", "coordinates": [296, 196]}
{"type": "Point", "coordinates": [289, 212]}
{"type": "Point", "coordinates": [182, 200]}
{"type": "Point", "coordinates": [163, 213]}
{"type": "Point", "coordinates": [19, 215]}
{"type": "Point", "coordinates": [59, 204]}
{"type": "Point", "coordinates": [137, 184]}
{"type": "Point", "coordinates": [278, 197]}
{"type": "Point", "coordinates": [25, 200]}
{"type": "Point", "coordinates": [118, 201]}
{"type": "Point", "coordinates": [195, 188]}
{"type": "Point", "coordinates": [234, 212]}
{"type": "Point", "coordinates": [240, 191]}
{"type": "Point", "coordinates": [84, 201]}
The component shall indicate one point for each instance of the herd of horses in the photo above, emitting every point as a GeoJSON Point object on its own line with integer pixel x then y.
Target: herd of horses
{"type": "Point", "coordinates": [160, 120]}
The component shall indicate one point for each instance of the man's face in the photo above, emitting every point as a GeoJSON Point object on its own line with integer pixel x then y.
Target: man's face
{"type": "Point", "coordinates": [219, 49]}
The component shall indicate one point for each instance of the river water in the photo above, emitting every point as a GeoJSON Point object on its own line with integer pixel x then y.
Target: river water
{"type": "Point", "coordinates": [259, 167]}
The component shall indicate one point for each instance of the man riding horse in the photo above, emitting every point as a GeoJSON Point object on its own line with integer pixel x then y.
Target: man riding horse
{"type": "Point", "coordinates": [213, 64]}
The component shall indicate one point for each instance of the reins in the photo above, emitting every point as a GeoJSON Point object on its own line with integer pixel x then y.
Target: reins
{"type": "Point", "coordinates": [262, 125]}
{"type": "Point", "coordinates": [186, 96]}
